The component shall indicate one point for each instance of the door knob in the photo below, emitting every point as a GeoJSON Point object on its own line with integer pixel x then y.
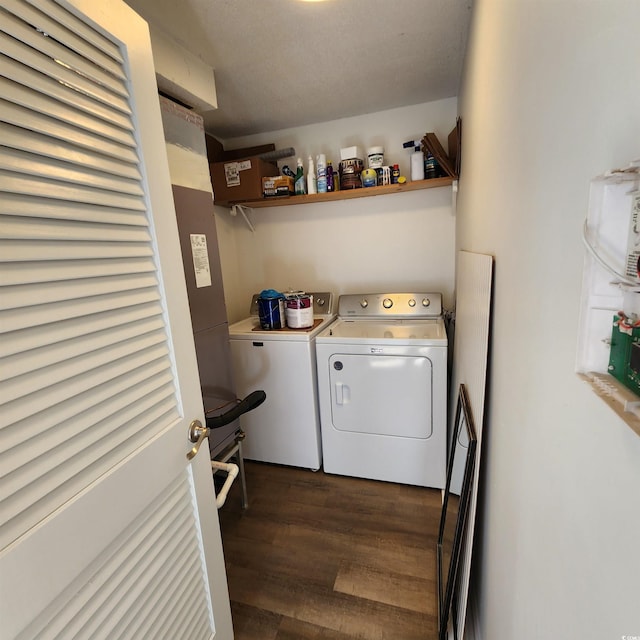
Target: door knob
{"type": "Point", "coordinates": [197, 433]}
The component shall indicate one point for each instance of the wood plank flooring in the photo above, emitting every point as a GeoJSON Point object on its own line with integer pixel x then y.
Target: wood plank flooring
{"type": "Point", "coordinates": [323, 557]}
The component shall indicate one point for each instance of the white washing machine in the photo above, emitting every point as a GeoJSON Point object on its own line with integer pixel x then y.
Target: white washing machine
{"type": "Point", "coordinates": [285, 429]}
{"type": "Point", "coordinates": [382, 389]}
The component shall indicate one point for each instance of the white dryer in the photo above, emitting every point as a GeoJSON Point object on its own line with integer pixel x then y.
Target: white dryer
{"type": "Point", "coordinates": [382, 389]}
{"type": "Point", "coordinates": [285, 429]}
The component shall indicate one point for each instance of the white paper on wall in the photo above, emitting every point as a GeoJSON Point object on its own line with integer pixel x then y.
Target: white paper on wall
{"type": "Point", "coordinates": [200, 260]}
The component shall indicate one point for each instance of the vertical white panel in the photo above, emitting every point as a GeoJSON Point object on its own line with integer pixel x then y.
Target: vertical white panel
{"type": "Point", "coordinates": [473, 310]}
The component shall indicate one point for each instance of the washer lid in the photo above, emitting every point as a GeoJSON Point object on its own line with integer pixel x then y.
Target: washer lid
{"type": "Point", "coordinates": [345, 330]}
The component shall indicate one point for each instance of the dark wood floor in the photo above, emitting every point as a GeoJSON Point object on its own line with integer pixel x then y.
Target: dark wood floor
{"type": "Point", "coordinates": [327, 557]}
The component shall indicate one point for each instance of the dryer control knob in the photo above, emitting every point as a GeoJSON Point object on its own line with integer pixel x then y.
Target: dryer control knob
{"type": "Point", "coordinates": [412, 303]}
{"type": "Point", "coordinates": [387, 303]}
{"type": "Point", "coordinates": [426, 302]}
{"type": "Point", "coordinates": [364, 303]}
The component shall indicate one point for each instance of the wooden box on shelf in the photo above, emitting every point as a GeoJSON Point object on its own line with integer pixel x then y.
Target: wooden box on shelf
{"type": "Point", "coordinates": [239, 180]}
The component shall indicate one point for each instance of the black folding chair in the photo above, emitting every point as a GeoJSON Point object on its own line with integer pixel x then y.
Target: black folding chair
{"type": "Point", "coordinates": [220, 461]}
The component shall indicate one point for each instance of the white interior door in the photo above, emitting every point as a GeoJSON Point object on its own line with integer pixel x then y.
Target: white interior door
{"type": "Point", "coordinates": [106, 531]}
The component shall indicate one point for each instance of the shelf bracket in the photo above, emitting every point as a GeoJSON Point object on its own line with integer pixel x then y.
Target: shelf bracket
{"type": "Point", "coordinates": [243, 210]}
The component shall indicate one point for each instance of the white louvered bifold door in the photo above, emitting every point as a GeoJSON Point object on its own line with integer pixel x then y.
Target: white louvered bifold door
{"type": "Point", "coordinates": [103, 528]}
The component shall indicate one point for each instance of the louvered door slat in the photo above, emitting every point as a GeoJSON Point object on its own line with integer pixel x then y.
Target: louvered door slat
{"type": "Point", "coordinates": [59, 352]}
{"type": "Point", "coordinates": [146, 569]}
{"type": "Point", "coordinates": [46, 231]}
{"type": "Point", "coordinates": [20, 184]}
{"type": "Point", "coordinates": [159, 605]}
{"type": "Point", "coordinates": [81, 613]}
{"type": "Point", "coordinates": [44, 315]}
{"type": "Point", "coordinates": [75, 289]}
{"type": "Point", "coordinates": [48, 397]}
{"type": "Point", "coordinates": [140, 540]}
{"type": "Point", "coordinates": [58, 415]}
{"type": "Point", "coordinates": [31, 99]}
{"type": "Point", "coordinates": [34, 207]}
{"type": "Point", "coordinates": [190, 613]}
{"type": "Point", "coordinates": [86, 34]}
{"type": "Point", "coordinates": [62, 424]}
{"type": "Point", "coordinates": [41, 378]}
{"type": "Point", "coordinates": [44, 48]}
{"type": "Point", "coordinates": [63, 484]}
{"type": "Point", "coordinates": [33, 481]}
{"type": "Point", "coordinates": [34, 165]}
{"type": "Point", "coordinates": [32, 120]}
{"type": "Point", "coordinates": [145, 563]}
{"type": "Point", "coordinates": [18, 228]}
{"type": "Point", "coordinates": [162, 624]}
{"type": "Point", "coordinates": [33, 338]}
{"type": "Point", "coordinates": [46, 77]}
{"type": "Point", "coordinates": [13, 137]}
{"type": "Point", "coordinates": [18, 250]}
{"type": "Point", "coordinates": [32, 272]}
{"type": "Point", "coordinates": [71, 33]}
{"type": "Point", "coordinates": [78, 289]}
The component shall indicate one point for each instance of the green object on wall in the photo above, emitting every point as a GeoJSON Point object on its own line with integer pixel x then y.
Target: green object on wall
{"type": "Point", "coordinates": [624, 358]}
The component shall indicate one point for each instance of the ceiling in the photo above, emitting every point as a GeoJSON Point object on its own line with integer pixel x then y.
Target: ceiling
{"type": "Point", "coordinates": [285, 63]}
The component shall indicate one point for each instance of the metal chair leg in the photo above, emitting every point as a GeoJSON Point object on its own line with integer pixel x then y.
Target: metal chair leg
{"type": "Point", "coordinates": [243, 481]}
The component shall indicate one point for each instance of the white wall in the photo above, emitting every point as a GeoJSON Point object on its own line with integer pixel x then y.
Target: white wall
{"type": "Point", "coordinates": [550, 99]}
{"type": "Point", "coordinates": [393, 242]}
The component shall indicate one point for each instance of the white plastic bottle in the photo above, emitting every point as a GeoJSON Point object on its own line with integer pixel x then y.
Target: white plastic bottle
{"type": "Point", "coordinates": [321, 167]}
{"type": "Point", "coordinates": [417, 164]}
{"type": "Point", "coordinates": [311, 178]}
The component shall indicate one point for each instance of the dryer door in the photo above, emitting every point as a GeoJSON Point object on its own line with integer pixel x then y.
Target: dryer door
{"type": "Point", "coordinates": [382, 394]}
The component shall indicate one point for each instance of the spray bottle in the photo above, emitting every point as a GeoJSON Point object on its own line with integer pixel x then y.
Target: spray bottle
{"type": "Point", "coordinates": [300, 187]}
{"type": "Point", "coordinates": [311, 177]}
{"type": "Point", "coordinates": [417, 160]}
{"type": "Point", "coordinates": [321, 167]}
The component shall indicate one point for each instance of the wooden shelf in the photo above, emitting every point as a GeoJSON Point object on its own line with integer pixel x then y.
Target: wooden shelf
{"type": "Point", "coordinates": [347, 194]}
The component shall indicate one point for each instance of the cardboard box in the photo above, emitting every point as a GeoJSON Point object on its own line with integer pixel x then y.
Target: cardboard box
{"type": "Point", "coordinates": [277, 186]}
{"type": "Point", "coordinates": [240, 181]}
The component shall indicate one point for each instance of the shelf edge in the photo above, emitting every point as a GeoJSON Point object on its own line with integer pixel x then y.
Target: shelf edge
{"type": "Point", "coordinates": [365, 192]}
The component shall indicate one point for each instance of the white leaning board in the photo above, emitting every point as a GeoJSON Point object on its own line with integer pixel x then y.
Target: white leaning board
{"type": "Point", "coordinates": [473, 308]}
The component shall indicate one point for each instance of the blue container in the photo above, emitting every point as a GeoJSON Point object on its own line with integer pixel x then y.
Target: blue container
{"type": "Point", "coordinates": [271, 311]}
